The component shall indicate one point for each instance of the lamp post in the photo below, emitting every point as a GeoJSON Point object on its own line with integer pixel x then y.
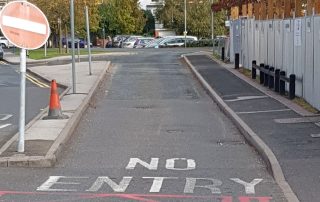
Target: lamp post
{"type": "Point", "coordinates": [185, 23]}
{"type": "Point", "coordinates": [212, 27]}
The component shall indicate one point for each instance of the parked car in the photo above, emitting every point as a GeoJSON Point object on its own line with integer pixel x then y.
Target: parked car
{"type": "Point", "coordinates": [176, 41]}
{"type": "Point", "coordinates": [129, 43]}
{"type": "Point", "coordinates": [142, 42]}
{"type": "Point", "coordinates": [5, 43]}
{"type": "Point", "coordinates": [82, 42]}
{"type": "Point", "coordinates": [155, 43]}
{"type": "Point", "coordinates": [1, 53]}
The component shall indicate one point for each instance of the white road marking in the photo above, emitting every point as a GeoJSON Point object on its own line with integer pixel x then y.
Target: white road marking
{"type": "Point", "coordinates": [249, 187]}
{"type": "Point", "coordinates": [4, 126]}
{"type": "Point", "coordinates": [315, 135]}
{"type": "Point", "coordinates": [153, 165]}
{"type": "Point", "coordinates": [243, 98]}
{"type": "Point", "coordinates": [121, 187]}
{"type": "Point", "coordinates": [69, 184]}
{"type": "Point", "coordinates": [191, 185]}
{"type": "Point", "coordinates": [267, 111]}
{"type": "Point", "coordinates": [170, 164]}
{"type": "Point", "coordinates": [5, 117]}
{"type": "Point", "coordinates": [53, 180]}
{"type": "Point", "coordinates": [157, 183]}
{"type": "Point", "coordinates": [23, 24]}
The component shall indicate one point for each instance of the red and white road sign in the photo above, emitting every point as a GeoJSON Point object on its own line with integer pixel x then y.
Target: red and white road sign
{"type": "Point", "coordinates": [24, 25]}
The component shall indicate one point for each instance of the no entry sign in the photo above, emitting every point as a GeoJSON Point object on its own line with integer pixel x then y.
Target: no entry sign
{"type": "Point", "coordinates": [24, 25]}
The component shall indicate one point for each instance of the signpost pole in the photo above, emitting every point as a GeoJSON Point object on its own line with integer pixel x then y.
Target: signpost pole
{"type": "Point", "coordinates": [45, 50]}
{"type": "Point", "coordinates": [23, 68]}
{"type": "Point", "coordinates": [88, 39]}
{"type": "Point", "coordinates": [74, 89]}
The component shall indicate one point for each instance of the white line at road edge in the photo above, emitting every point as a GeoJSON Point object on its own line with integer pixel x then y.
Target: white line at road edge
{"type": "Point", "coordinates": [5, 117]}
{"type": "Point", "coordinates": [26, 25]}
{"type": "Point", "coordinates": [4, 126]}
{"type": "Point", "coordinates": [268, 111]}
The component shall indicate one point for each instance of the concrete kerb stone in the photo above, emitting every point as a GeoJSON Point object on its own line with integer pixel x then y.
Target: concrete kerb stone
{"type": "Point", "coordinates": [262, 148]}
{"type": "Point", "coordinates": [56, 148]}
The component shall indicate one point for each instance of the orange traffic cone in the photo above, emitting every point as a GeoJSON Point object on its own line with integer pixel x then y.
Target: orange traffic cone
{"type": "Point", "coordinates": [54, 105]}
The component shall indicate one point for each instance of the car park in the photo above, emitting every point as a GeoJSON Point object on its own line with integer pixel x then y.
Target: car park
{"type": "Point", "coordinates": [1, 53]}
{"type": "Point", "coordinates": [5, 42]}
{"type": "Point", "coordinates": [142, 42]}
{"type": "Point", "coordinates": [129, 42]}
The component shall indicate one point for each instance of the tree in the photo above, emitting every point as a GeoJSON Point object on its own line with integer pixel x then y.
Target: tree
{"type": "Point", "coordinates": [122, 17]}
{"type": "Point", "coordinates": [150, 23]}
{"type": "Point", "coordinates": [198, 17]}
{"type": "Point", "coordinates": [61, 9]}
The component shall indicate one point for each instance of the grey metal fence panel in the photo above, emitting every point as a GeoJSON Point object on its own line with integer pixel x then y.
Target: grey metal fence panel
{"type": "Point", "coordinates": [271, 43]}
{"type": "Point", "coordinates": [231, 42]}
{"type": "Point", "coordinates": [316, 82]}
{"type": "Point", "coordinates": [251, 47]}
{"type": "Point", "coordinates": [299, 53]}
{"type": "Point", "coordinates": [257, 41]}
{"type": "Point", "coordinates": [278, 29]}
{"type": "Point", "coordinates": [244, 43]}
{"type": "Point", "coordinates": [263, 42]}
{"type": "Point", "coordinates": [308, 77]}
{"type": "Point", "coordinates": [288, 47]}
{"type": "Point", "coordinates": [237, 36]}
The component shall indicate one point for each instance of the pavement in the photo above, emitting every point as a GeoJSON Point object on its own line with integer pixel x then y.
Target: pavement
{"type": "Point", "coordinates": [44, 139]}
{"type": "Point", "coordinates": [285, 135]}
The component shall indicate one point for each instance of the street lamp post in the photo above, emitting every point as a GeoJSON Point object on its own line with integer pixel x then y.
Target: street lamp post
{"type": "Point", "coordinates": [212, 27]}
{"type": "Point", "coordinates": [185, 23]}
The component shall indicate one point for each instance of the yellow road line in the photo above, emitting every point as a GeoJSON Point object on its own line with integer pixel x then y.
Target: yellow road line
{"type": "Point", "coordinates": [37, 82]}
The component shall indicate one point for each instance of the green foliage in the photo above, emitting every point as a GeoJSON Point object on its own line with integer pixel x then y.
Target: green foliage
{"type": "Point", "coordinates": [122, 17]}
{"type": "Point", "coordinates": [150, 23]}
{"type": "Point", "coordinates": [198, 17]}
{"type": "Point", "coordinates": [61, 9]}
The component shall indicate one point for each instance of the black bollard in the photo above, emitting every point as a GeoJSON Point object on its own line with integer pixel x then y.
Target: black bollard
{"type": "Point", "coordinates": [271, 78]}
{"type": "Point", "coordinates": [254, 70]}
{"type": "Point", "coordinates": [222, 54]}
{"type": "Point", "coordinates": [266, 76]}
{"type": "Point", "coordinates": [277, 80]}
{"type": "Point", "coordinates": [292, 86]}
{"type": "Point", "coordinates": [282, 86]}
{"type": "Point", "coordinates": [237, 61]}
{"type": "Point", "coordinates": [261, 74]}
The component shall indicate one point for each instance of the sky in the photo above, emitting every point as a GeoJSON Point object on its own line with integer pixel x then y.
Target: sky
{"type": "Point", "coordinates": [143, 3]}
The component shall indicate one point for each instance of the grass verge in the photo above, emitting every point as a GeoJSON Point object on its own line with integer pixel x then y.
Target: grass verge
{"type": "Point", "coordinates": [54, 52]}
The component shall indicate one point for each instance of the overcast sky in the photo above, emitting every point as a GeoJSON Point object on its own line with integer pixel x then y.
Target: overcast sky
{"type": "Point", "coordinates": [143, 3]}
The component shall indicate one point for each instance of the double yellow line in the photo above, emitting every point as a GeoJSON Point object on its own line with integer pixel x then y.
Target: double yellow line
{"type": "Point", "coordinates": [37, 82]}
{"type": "Point", "coordinates": [31, 78]}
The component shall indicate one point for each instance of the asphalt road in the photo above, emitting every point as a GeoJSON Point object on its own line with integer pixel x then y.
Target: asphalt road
{"type": "Point", "coordinates": [152, 134]}
{"type": "Point", "coordinates": [37, 94]}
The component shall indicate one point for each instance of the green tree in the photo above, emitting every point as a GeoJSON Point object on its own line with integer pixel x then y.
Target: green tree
{"type": "Point", "coordinates": [150, 23]}
{"type": "Point", "coordinates": [122, 17]}
{"type": "Point", "coordinates": [198, 17]}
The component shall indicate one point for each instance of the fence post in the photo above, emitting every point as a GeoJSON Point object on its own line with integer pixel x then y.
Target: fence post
{"type": "Point", "coordinates": [292, 86]}
{"type": "Point", "coordinates": [282, 87]}
{"type": "Point", "coordinates": [237, 61]}
{"type": "Point", "coordinates": [254, 71]}
{"type": "Point", "coordinates": [277, 80]}
{"type": "Point", "coordinates": [271, 78]}
{"type": "Point", "coordinates": [222, 54]}
{"type": "Point", "coordinates": [266, 76]}
{"type": "Point", "coordinates": [261, 74]}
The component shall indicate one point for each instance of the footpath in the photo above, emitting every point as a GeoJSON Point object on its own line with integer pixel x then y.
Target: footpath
{"type": "Point", "coordinates": [283, 133]}
{"type": "Point", "coordinates": [44, 139]}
